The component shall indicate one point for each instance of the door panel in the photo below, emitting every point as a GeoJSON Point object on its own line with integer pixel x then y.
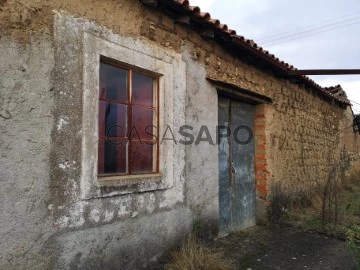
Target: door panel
{"type": "Point", "coordinates": [242, 115]}
{"type": "Point", "coordinates": [236, 167]}
{"type": "Point", "coordinates": [224, 172]}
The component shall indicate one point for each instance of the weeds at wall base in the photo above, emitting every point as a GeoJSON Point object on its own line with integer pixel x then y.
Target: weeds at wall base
{"type": "Point", "coordinates": [195, 255]}
{"type": "Point", "coordinates": [340, 216]}
{"type": "Point", "coordinates": [353, 242]}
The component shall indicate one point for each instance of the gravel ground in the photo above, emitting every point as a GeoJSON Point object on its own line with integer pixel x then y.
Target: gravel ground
{"type": "Point", "coordinates": [280, 247]}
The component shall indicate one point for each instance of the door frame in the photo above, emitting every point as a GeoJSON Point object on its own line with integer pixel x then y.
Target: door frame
{"type": "Point", "coordinates": [262, 168]}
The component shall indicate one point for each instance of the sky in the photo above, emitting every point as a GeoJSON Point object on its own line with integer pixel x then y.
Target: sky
{"type": "Point", "coordinates": [308, 34]}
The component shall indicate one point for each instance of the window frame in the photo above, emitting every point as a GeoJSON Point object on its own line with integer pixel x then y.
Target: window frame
{"type": "Point", "coordinates": [156, 93]}
{"type": "Point", "coordinates": [171, 69]}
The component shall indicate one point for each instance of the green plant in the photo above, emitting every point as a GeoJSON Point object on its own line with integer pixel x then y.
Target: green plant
{"type": "Point", "coordinates": [312, 222]}
{"type": "Point", "coordinates": [198, 228]}
{"type": "Point", "coordinates": [353, 241]}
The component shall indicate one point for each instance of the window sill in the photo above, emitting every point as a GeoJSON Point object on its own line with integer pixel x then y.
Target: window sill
{"type": "Point", "coordinates": [108, 186]}
{"type": "Point", "coordinates": [104, 181]}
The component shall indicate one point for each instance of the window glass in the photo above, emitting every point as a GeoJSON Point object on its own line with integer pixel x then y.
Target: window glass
{"type": "Point", "coordinates": [113, 83]}
{"type": "Point", "coordinates": [112, 119]}
{"type": "Point", "coordinates": [127, 143]}
{"type": "Point", "coordinates": [142, 157]}
{"type": "Point", "coordinates": [112, 157]}
{"type": "Point", "coordinates": [142, 89]}
{"type": "Point", "coordinates": [143, 120]}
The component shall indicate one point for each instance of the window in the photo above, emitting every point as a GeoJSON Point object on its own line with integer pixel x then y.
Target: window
{"type": "Point", "coordinates": [128, 121]}
{"type": "Point", "coordinates": [119, 76]}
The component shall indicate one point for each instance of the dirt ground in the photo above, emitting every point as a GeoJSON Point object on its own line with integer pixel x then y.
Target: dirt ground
{"type": "Point", "coordinates": [280, 247]}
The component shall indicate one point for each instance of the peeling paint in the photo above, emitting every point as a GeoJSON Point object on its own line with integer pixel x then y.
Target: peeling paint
{"type": "Point", "coordinates": [108, 216]}
{"type": "Point", "coordinates": [63, 121]}
{"type": "Point", "coordinates": [95, 215]}
{"type": "Point", "coordinates": [66, 165]}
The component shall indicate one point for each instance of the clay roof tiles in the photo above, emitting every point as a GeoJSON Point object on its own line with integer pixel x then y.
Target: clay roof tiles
{"type": "Point", "coordinates": [336, 91]}
{"type": "Point", "coordinates": [206, 18]}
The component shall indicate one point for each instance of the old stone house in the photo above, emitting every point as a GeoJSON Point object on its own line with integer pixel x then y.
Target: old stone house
{"type": "Point", "coordinates": [81, 189]}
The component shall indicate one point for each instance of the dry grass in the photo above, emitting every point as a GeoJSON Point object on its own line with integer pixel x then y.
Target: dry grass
{"type": "Point", "coordinates": [354, 176]}
{"type": "Point", "coordinates": [348, 207]}
{"type": "Point", "coordinates": [194, 255]}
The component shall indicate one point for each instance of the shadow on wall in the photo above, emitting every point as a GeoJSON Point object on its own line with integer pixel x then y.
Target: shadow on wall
{"type": "Point", "coordinates": [282, 201]}
{"type": "Point", "coordinates": [205, 228]}
{"type": "Point", "coordinates": [325, 194]}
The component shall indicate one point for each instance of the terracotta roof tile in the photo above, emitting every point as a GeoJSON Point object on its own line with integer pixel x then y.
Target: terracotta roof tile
{"type": "Point", "coordinates": [216, 24]}
{"type": "Point", "coordinates": [223, 26]}
{"type": "Point", "coordinates": [336, 91]}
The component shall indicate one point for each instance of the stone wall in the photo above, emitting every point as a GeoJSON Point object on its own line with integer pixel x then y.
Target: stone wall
{"type": "Point", "coordinates": [299, 138]}
{"type": "Point", "coordinates": [352, 141]}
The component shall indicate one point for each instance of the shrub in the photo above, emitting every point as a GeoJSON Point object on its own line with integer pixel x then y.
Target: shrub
{"type": "Point", "coordinates": [353, 241]}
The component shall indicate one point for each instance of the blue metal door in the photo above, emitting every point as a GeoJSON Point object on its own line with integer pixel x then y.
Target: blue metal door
{"type": "Point", "coordinates": [237, 199]}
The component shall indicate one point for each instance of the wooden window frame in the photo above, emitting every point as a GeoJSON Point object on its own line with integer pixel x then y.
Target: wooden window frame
{"type": "Point", "coordinates": [156, 86]}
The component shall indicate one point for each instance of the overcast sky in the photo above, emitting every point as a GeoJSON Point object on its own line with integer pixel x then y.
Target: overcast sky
{"type": "Point", "coordinates": [330, 33]}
